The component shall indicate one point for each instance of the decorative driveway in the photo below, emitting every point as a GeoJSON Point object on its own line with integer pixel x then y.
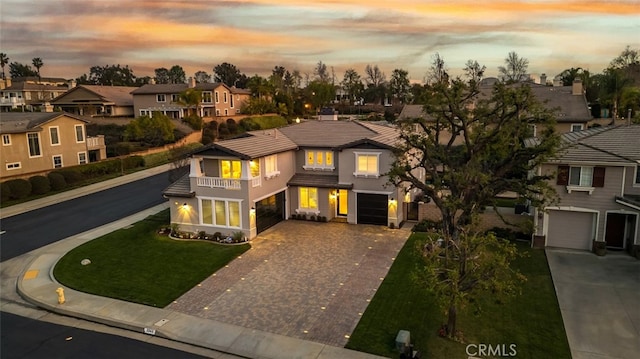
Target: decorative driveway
{"type": "Point", "coordinates": [300, 279]}
{"type": "Point", "coordinates": [599, 299]}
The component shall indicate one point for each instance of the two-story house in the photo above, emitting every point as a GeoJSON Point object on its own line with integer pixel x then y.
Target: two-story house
{"type": "Point", "coordinates": [97, 100]}
{"type": "Point", "coordinates": [38, 142]}
{"type": "Point", "coordinates": [598, 183]}
{"type": "Point", "coordinates": [331, 169]}
{"type": "Point", "coordinates": [568, 103]}
{"type": "Point", "coordinates": [217, 100]}
{"type": "Point", "coordinates": [30, 93]}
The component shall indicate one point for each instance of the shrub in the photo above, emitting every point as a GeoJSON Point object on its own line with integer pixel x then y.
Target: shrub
{"type": "Point", "coordinates": [194, 121]}
{"type": "Point", "coordinates": [133, 162]}
{"type": "Point", "coordinates": [57, 181]}
{"type": "Point", "coordinates": [71, 176]}
{"type": "Point", "coordinates": [217, 236]}
{"type": "Point", "coordinates": [238, 236]}
{"type": "Point", "coordinates": [5, 191]}
{"type": "Point", "coordinates": [223, 130]}
{"type": "Point", "coordinates": [39, 185]}
{"type": "Point", "coordinates": [20, 188]}
{"type": "Point", "coordinates": [232, 126]}
{"type": "Point", "coordinates": [427, 225]}
{"type": "Point", "coordinates": [248, 124]}
{"type": "Point", "coordinates": [313, 218]}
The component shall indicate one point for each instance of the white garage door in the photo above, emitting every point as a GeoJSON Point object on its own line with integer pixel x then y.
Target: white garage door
{"type": "Point", "coordinates": [569, 229]}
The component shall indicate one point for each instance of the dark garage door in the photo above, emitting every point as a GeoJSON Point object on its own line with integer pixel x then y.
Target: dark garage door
{"type": "Point", "coordinates": [269, 211]}
{"type": "Point", "coordinates": [372, 208]}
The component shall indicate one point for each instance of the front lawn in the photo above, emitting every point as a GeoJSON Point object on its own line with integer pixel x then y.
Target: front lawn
{"type": "Point", "coordinates": [531, 321]}
{"type": "Point", "coordinates": [138, 265]}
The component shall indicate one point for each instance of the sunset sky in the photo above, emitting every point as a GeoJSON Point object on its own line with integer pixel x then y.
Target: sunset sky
{"type": "Point", "coordinates": [255, 35]}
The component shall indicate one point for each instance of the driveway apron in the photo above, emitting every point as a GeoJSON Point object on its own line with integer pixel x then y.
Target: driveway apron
{"type": "Point", "coordinates": [599, 299]}
{"type": "Point", "coordinates": [300, 279]}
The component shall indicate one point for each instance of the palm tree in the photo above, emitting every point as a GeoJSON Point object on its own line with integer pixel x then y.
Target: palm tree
{"type": "Point", "coordinates": [37, 63]}
{"type": "Point", "coordinates": [4, 60]}
{"type": "Point", "coordinates": [191, 99]}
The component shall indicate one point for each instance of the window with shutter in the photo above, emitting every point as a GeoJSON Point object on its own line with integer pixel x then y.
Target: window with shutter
{"type": "Point", "coordinates": [563, 175]}
{"type": "Point", "coordinates": [598, 176]}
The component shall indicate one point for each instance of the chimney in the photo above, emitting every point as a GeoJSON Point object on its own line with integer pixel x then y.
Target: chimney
{"type": "Point", "coordinates": [543, 79]}
{"type": "Point", "coordinates": [192, 82]}
{"type": "Point", "coordinates": [72, 84]}
{"type": "Point", "coordinates": [577, 87]}
{"type": "Point", "coordinates": [152, 81]}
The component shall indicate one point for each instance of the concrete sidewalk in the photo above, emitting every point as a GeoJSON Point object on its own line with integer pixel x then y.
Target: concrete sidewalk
{"type": "Point", "coordinates": [37, 285]}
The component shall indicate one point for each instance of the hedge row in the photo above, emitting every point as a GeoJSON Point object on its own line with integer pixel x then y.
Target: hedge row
{"type": "Point", "coordinates": [59, 179]}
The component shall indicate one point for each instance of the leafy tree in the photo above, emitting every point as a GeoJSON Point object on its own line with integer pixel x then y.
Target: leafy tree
{"type": "Point", "coordinates": [202, 77]}
{"type": "Point", "coordinates": [375, 79]}
{"type": "Point", "coordinates": [352, 84]}
{"type": "Point", "coordinates": [259, 86]}
{"type": "Point", "coordinates": [156, 130]}
{"type": "Point", "coordinates": [320, 72]}
{"type": "Point", "coordinates": [4, 61]}
{"type": "Point", "coordinates": [37, 63]}
{"type": "Point", "coordinates": [162, 75]}
{"type": "Point", "coordinates": [472, 148]}
{"type": "Point", "coordinates": [228, 74]}
{"type": "Point", "coordinates": [322, 93]}
{"type": "Point", "coordinates": [257, 106]}
{"type": "Point", "coordinates": [627, 58]}
{"type": "Point", "coordinates": [17, 69]}
{"type": "Point", "coordinates": [109, 75]}
{"type": "Point", "coordinates": [142, 81]}
{"type": "Point", "coordinates": [515, 68]}
{"type": "Point", "coordinates": [191, 99]}
{"type": "Point", "coordinates": [177, 75]}
{"type": "Point", "coordinates": [399, 85]}
{"type": "Point", "coordinates": [567, 76]}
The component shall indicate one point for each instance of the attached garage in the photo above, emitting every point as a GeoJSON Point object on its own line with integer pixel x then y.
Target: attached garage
{"type": "Point", "coordinates": [372, 208]}
{"type": "Point", "coordinates": [269, 211]}
{"type": "Point", "coordinates": [570, 229]}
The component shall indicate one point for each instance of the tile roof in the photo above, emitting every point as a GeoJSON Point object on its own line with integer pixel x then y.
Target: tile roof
{"type": "Point", "coordinates": [569, 107]}
{"type": "Point", "coordinates": [251, 145]}
{"type": "Point", "coordinates": [316, 180]}
{"type": "Point", "coordinates": [613, 144]}
{"type": "Point", "coordinates": [152, 89]}
{"type": "Point", "coordinates": [333, 134]}
{"type": "Point", "coordinates": [119, 95]}
{"type": "Point", "coordinates": [180, 188]}
{"type": "Point", "coordinates": [18, 122]}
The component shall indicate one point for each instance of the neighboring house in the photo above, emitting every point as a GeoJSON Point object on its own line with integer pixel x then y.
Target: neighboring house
{"type": "Point", "coordinates": [598, 182]}
{"type": "Point", "coordinates": [332, 169]}
{"type": "Point", "coordinates": [37, 142]}
{"type": "Point", "coordinates": [218, 100]}
{"type": "Point", "coordinates": [97, 100]}
{"type": "Point", "coordinates": [30, 93]}
{"type": "Point", "coordinates": [568, 103]}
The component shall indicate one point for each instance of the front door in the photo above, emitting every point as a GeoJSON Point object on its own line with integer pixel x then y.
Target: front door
{"type": "Point", "coordinates": [615, 230]}
{"type": "Point", "coordinates": [343, 202]}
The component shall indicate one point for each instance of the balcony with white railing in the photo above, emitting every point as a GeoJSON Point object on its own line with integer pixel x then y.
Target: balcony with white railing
{"type": "Point", "coordinates": [95, 142]}
{"type": "Point", "coordinates": [256, 181]}
{"type": "Point", "coordinates": [218, 182]}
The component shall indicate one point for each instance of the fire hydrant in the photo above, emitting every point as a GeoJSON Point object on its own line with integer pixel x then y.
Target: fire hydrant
{"type": "Point", "coordinates": [60, 292]}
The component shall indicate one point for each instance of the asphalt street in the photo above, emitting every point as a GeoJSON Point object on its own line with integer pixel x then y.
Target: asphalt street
{"type": "Point", "coordinates": [37, 228]}
{"type": "Point", "coordinates": [19, 340]}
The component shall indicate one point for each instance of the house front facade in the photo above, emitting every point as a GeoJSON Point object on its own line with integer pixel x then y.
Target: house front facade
{"type": "Point", "coordinates": [38, 142]}
{"type": "Point", "coordinates": [97, 100]}
{"type": "Point", "coordinates": [598, 183]}
{"type": "Point", "coordinates": [320, 170]}
{"type": "Point", "coordinates": [30, 93]}
{"type": "Point", "coordinates": [217, 99]}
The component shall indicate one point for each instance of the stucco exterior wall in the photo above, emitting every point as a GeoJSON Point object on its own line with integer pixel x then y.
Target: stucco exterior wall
{"type": "Point", "coordinates": [68, 148]}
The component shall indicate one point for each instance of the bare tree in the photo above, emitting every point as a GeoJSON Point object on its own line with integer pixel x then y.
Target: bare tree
{"type": "Point", "coordinates": [515, 68]}
{"type": "Point", "coordinates": [474, 70]}
{"type": "Point", "coordinates": [438, 73]}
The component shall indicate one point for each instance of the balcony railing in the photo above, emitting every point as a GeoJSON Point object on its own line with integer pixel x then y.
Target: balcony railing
{"type": "Point", "coordinates": [256, 181]}
{"type": "Point", "coordinates": [217, 182]}
{"type": "Point", "coordinates": [95, 142]}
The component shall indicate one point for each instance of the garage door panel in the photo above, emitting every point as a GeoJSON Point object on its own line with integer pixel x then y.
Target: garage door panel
{"type": "Point", "coordinates": [372, 209]}
{"type": "Point", "coordinates": [269, 211]}
{"type": "Point", "coordinates": [569, 229]}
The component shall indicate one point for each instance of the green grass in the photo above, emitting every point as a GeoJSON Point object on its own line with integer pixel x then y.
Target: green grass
{"type": "Point", "coordinates": [140, 266]}
{"type": "Point", "coordinates": [532, 320]}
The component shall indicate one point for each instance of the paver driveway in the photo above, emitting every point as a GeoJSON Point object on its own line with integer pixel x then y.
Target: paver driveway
{"type": "Point", "coordinates": [599, 299]}
{"type": "Point", "coordinates": [300, 279]}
